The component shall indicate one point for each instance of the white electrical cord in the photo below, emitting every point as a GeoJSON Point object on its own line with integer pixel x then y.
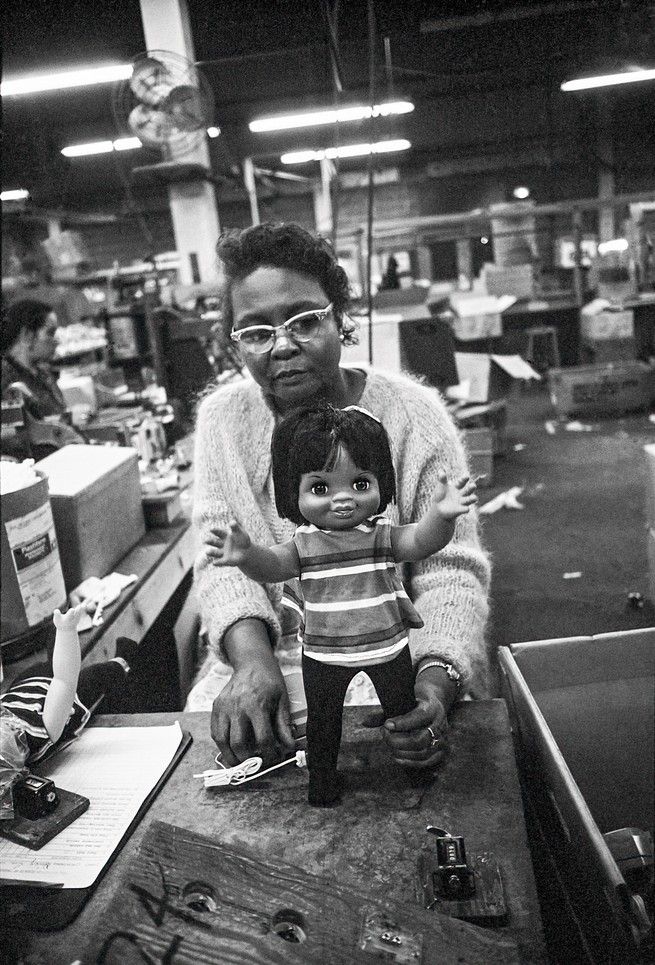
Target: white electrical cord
{"type": "Point", "coordinates": [248, 770]}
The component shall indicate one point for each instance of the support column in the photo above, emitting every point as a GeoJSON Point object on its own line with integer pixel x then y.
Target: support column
{"type": "Point", "coordinates": [605, 149]}
{"type": "Point", "coordinates": [194, 212]}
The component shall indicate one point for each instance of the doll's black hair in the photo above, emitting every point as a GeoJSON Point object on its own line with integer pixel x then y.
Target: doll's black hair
{"type": "Point", "coordinates": [308, 439]}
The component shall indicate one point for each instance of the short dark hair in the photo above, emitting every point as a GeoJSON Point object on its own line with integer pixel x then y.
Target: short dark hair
{"type": "Point", "coordinates": [26, 314]}
{"type": "Point", "coordinates": [283, 245]}
{"type": "Point", "coordinates": [309, 439]}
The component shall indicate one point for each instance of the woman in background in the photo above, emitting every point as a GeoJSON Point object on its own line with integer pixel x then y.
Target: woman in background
{"type": "Point", "coordinates": [28, 346]}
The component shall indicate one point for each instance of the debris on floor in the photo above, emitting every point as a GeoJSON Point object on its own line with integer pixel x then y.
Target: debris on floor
{"type": "Point", "coordinates": [574, 575]}
{"type": "Point", "coordinates": [576, 426]}
{"type": "Point", "coordinates": [504, 500]}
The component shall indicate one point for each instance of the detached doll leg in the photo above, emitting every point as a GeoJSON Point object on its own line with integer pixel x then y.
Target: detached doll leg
{"type": "Point", "coordinates": [325, 688]}
{"type": "Point", "coordinates": [104, 680]}
{"type": "Point", "coordinates": [394, 684]}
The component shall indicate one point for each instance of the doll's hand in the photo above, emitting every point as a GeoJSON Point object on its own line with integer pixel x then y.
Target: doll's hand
{"type": "Point", "coordinates": [70, 619]}
{"type": "Point", "coordinates": [228, 547]}
{"type": "Point", "coordinates": [454, 499]}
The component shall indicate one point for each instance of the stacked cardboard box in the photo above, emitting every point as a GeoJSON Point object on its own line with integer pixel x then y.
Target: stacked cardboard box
{"type": "Point", "coordinates": [608, 335]}
{"type": "Point", "coordinates": [479, 448]}
{"type": "Point", "coordinates": [521, 281]}
{"type": "Point", "coordinates": [613, 388]}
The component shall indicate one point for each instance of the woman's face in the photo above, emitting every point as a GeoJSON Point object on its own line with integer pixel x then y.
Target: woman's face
{"type": "Point", "coordinates": [44, 343]}
{"type": "Point", "coordinates": [291, 372]}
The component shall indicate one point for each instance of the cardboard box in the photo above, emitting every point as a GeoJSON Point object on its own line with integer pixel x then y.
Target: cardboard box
{"type": "Point", "coordinates": [479, 447]}
{"type": "Point", "coordinates": [582, 712]}
{"type": "Point", "coordinates": [521, 281]}
{"type": "Point", "coordinates": [489, 415]}
{"type": "Point", "coordinates": [477, 315]}
{"type": "Point", "coordinates": [608, 350]}
{"type": "Point", "coordinates": [490, 376]}
{"type": "Point", "coordinates": [606, 389]}
{"type": "Point", "coordinates": [95, 492]}
{"type": "Point", "coordinates": [596, 325]}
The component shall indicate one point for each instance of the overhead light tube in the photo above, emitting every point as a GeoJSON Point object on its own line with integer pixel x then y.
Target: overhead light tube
{"type": "Point", "coordinates": [339, 115]}
{"type": "Point", "coordinates": [350, 150]}
{"type": "Point", "coordinates": [608, 80]}
{"type": "Point", "coordinates": [37, 83]}
{"type": "Point", "coordinates": [17, 194]}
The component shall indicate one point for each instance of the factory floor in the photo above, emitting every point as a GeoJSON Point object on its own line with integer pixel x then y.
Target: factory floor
{"type": "Point", "coordinates": [572, 559]}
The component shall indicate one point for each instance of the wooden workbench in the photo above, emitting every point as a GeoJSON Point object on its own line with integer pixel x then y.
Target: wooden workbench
{"type": "Point", "coordinates": [370, 842]}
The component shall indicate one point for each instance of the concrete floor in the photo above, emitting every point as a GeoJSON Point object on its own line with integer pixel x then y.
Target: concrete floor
{"type": "Point", "coordinates": [584, 498]}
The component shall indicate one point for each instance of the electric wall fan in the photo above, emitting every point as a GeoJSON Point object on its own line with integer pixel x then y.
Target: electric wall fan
{"type": "Point", "coordinates": [167, 103]}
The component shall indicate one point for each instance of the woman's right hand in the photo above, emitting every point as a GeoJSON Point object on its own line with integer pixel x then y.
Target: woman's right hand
{"type": "Point", "coordinates": [250, 716]}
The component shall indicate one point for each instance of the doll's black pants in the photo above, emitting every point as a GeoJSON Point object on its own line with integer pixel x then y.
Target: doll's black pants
{"type": "Point", "coordinates": [325, 688]}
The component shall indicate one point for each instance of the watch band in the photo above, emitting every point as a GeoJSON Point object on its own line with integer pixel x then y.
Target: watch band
{"type": "Point", "coordinates": [453, 674]}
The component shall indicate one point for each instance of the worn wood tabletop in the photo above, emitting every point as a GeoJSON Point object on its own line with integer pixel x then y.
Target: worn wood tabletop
{"type": "Point", "coordinates": [371, 842]}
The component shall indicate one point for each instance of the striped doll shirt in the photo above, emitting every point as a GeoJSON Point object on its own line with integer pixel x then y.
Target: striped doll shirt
{"type": "Point", "coordinates": [354, 610]}
{"type": "Point", "coordinates": [26, 700]}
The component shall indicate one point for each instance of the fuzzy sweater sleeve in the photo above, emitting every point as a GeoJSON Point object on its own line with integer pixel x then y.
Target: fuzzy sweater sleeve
{"type": "Point", "coordinates": [449, 589]}
{"type": "Point", "coordinates": [227, 475]}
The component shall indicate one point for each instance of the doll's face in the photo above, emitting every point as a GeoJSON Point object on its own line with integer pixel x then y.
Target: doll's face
{"type": "Point", "coordinates": [341, 498]}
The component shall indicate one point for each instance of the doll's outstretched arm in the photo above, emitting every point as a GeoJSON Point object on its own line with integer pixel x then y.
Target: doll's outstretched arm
{"type": "Point", "coordinates": [66, 662]}
{"type": "Point", "coordinates": [264, 564]}
{"type": "Point", "coordinates": [436, 527]}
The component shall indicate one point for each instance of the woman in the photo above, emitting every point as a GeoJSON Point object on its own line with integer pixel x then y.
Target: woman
{"type": "Point", "coordinates": [274, 273]}
{"type": "Point", "coordinates": [28, 347]}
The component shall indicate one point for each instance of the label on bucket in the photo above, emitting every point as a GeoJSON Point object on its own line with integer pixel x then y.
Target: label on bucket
{"type": "Point", "coordinates": [35, 556]}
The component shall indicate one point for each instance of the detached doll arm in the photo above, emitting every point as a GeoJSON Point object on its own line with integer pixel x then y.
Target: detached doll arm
{"type": "Point", "coordinates": [264, 564]}
{"type": "Point", "coordinates": [66, 662]}
{"type": "Point", "coordinates": [435, 529]}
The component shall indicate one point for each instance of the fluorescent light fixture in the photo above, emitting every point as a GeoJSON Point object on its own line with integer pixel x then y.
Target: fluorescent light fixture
{"type": "Point", "coordinates": [608, 80]}
{"type": "Point", "coordinates": [35, 83]}
{"type": "Point", "coordinates": [127, 144]}
{"type": "Point", "coordinates": [342, 114]}
{"type": "Point", "coordinates": [351, 150]}
{"type": "Point", "coordinates": [19, 194]}
{"type": "Point", "coordinates": [82, 150]}
{"type": "Point", "coordinates": [616, 244]}
{"type": "Point", "coordinates": [120, 144]}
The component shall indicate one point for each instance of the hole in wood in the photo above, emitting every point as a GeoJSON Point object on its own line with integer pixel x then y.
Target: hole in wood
{"type": "Point", "coordinates": [290, 926]}
{"type": "Point", "coordinates": [199, 897]}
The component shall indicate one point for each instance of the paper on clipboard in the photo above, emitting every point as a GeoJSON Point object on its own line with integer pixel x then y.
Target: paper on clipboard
{"type": "Point", "coordinates": [116, 768]}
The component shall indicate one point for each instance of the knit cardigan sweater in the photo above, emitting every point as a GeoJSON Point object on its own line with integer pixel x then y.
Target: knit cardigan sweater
{"type": "Point", "coordinates": [232, 479]}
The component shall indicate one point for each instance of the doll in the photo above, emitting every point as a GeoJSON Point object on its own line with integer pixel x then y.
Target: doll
{"type": "Point", "coordinates": [54, 708]}
{"type": "Point", "coordinates": [333, 476]}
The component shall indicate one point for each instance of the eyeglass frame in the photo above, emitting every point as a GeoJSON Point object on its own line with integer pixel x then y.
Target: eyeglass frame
{"type": "Point", "coordinates": [237, 333]}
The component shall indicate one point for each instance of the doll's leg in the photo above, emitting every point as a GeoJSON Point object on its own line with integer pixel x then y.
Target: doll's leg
{"type": "Point", "coordinates": [325, 688]}
{"type": "Point", "coordinates": [102, 680]}
{"type": "Point", "coordinates": [394, 684]}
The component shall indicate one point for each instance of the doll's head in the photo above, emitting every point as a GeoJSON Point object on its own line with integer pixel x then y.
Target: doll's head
{"type": "Point", "coordinates": [312, 439]}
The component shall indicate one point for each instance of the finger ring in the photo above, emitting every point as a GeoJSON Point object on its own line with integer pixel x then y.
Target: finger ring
{"type": "Point", "coordinates": [435, 739]}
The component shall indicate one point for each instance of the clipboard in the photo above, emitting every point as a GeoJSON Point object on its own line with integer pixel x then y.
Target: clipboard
{"type": "Point", "coordinates": [51, 909]}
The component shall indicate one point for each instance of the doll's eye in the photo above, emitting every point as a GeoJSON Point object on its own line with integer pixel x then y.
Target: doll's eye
{"type": "Point", "coordinates": [361, 485]}
{"type": "Point", "coordinates": [319, 489]}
